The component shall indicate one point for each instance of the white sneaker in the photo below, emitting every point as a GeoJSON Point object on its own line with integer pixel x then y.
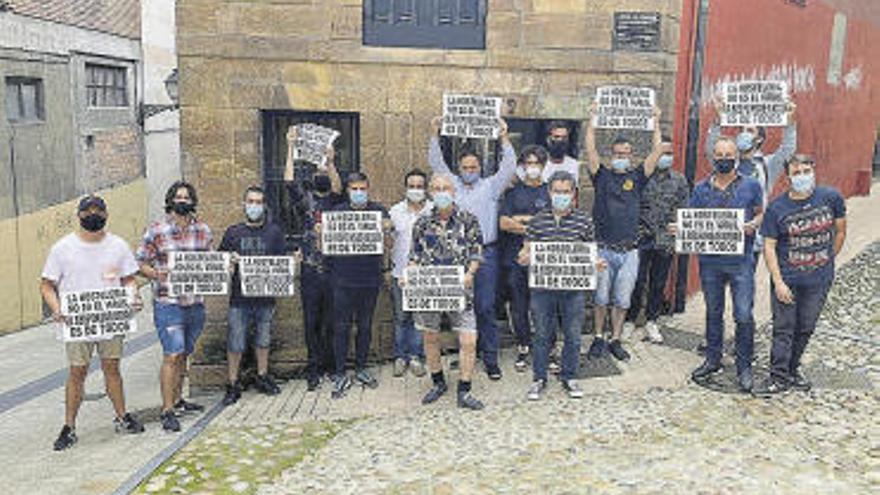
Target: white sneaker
{"type": "Point", "coordinates": [536, 390]}
{"type": "Point", "coordinates": [399, 367]}
{"type": "Point", "coordinates": [653, 333]}
{"type": "Point", "coordinates": [628, 329]}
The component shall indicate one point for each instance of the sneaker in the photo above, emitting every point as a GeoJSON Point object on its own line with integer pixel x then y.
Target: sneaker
{"type": "Point", "coordinates": [572, 389]}
{"type": "Point", "coordinates": [340, 384]}
{"type": "Point", "coordinates": [653, 333]}
{"type": "Point", "coordinates": [706, 370]}
{"type": "Point", "coordinates": [65, 439]}
{"type": "Point", "coordinates": [365, 378]}
{"type": "Point", "coordinates": [435, 393]}
{"type": "Point", "coordinates": [628, 329]}
{"type": "Point", "coordinates": [312, 382]}
{"type": "Point", "coordinates": [417, 367]}
{"type": "Point", "coordinates": [770, 387]}
{"type": "Point", "coordinates": [184, 407]}
{"type": "Point", "coordinates": [536, 390]}
{"type": "Point", "coordinates": [799, 382]}
{"type": "Point", "coordinates": [745, 380]}
{"type": "Point", "coordinates": [266, 385]}
{"type": "Point", "coordinates": [467, 401]}
{"type": "Point", "coordinates": [169, 421]}
{"type": "Point", "coordinates": [522, 356]}
{"type": "Point", "coordinates": [597, 348]}
{"type": "Point", "coordinates": [617, 350]}
{"type": "Point", "coordinates": [553, 365]}
{"type": "Point", "coordinates": [399, 367]}
{"type": "Point", "coordinates": [127, 424]}
{"type": "Point", "coordinates": [233, 393]}
{"type": "Point", "coordinates": [493, 372]}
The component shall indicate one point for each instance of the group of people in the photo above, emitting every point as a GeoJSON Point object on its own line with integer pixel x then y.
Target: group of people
{"type": "Point", "coordinates": [485, 224]}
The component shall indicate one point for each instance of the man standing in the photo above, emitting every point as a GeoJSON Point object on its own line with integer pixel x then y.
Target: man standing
{"type": "Point", "coordinates": [253, 237]}
{"type": "Point", "coordinates": [665, 192]}
{"type": "Point", "coordinates": [479, 196]}
{"type": "Point", "coordinates": [179, 319]}
{"type": "Point", "coordinates": [408, 350]}
{"type": "Point", "coordinates": [558, 146]}
{"type": "Point", "coordinates": [355, 280]}
{"type": "Point", "coordinates": [307, 201]}
{"type": "Point", "coordinates": [518, 207]}
{"type": "Point", "coordinates": [558, 223]}
{"type": "Point", "coordinates": [616, 214]}
{"type": "Point", "coordinates": [725, 188]}
{"type": "Point", "coordinates": [90, 259]}
{"type": "Point", "coordinates": [804, 230]}
{"type": "Point", "coordinates": [449, 236]}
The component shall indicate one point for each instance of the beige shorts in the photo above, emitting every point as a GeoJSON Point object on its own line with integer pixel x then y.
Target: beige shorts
{"type": "Point", "coordinates": [80, 353]}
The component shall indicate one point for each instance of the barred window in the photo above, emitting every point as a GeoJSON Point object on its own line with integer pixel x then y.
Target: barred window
{"type": "Point", "coordinates": [106, 86]}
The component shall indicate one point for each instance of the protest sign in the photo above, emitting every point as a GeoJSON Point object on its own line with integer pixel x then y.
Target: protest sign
{"type": "Point", "coordinates": [97, 314]}
{"type": "Point", "coordinates": [710, 231]}
{"type": "Point", "coordinates": [760, 103]}
{"type": "Point", "coordinates": [266, 276]}
{"type": "Point", "coordinates": [434, 288]}
{"type": "Point", "coordinates": [351, 233]}
{"type": "Point", "coordinates": [562, 265]}
{"type": "Point", "coordinates": [198, 273]}
{"type": "Point", "coordinates": [471, 116]}
{"type": "Point", "coordinates": [625, 107]}
{"type": "Point", "coordinates": [311, 143]}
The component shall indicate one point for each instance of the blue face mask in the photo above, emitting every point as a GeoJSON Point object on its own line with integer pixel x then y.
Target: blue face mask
{"type": "Point", "coordinates": [664, 162]}
{"type": "Point", "coordinates": [442, 199]}
{"type": "Point", "coordinates": [744, 141]}
{"type": "Point", "coordinates": [470, 177]}
{"type": "Point", "coordinates": [561, 202]}
{"type": "Point", "coordinates": [253, 212]}
{"type": "Point", "coordinates": [620, 164]}
{"type": "Point", "coordinates": [803, 183]}
{"type": "Point", "coordinates": [358, 197]}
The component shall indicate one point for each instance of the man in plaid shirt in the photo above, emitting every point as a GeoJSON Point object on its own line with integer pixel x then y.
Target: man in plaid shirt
{"type": "Point", "coordinates": [179, 320]}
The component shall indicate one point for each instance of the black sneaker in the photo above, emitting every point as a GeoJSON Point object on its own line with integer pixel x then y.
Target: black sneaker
{"type": "Point", "coordinates": [799, 382]}
{"type": "Point", "coordinates": [127, 424]}
{"type": "Point", "coordinates": [435, 393]}
{"type": "Point", "coordinates": [169, 421]}
{"type": "Point", "coordinates": [770, 387]}
{"type": "Point", "coordinates": [233, 393]}
{"type": "Point", "coordinates": [616, 349]}
{"type": "Point", "coordinates": [266, 385]}
{"type": "Point", "coordinates": [493, 372]}
{"type": "Point", "coordinates": [572, 389]}
{"type": "Point", "coordinates": [65, 439]}
{"type": "Point", "coordinates": [536, 390]}
{"type": "Point", "coordinates": [188, 407]}
{"type": "Point", "coordinates": [597, 348]}
{"type": "Point", "coordinates": [522, 357]}
{"type": "Point", "coordinates": [745, 380]}
{"type": "Point", "coordinates": [340, 385]}
{"type": "Point", "coordinates": [468, 401]}
{"type": "Point", "coordinates": [706, 370]}
{"type": "Point", "coordinates": [365, 378]}
{"type": "Point", "coordinates": [312, 383]}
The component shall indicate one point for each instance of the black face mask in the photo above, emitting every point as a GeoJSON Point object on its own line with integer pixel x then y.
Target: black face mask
{"type": "Point", "coordinates": [322, 183]}
{"type": "Point", "coordinates": [182, 208]}
{"type": "Point", "coordinates": [557, 148]}
{"type": "Point", "coordinates": [93, 222]}
{"type": "Point", "coordinates": [724, 165]}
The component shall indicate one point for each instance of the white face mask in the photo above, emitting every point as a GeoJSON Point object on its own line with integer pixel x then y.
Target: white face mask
{"type": "Point", "coordinates": [533, 172]}
{"type": "Point", "coordinates": [415, 195]}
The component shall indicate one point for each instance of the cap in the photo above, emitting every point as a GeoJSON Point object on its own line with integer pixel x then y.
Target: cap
{"type": "Point", "coordinates": [92, 200]}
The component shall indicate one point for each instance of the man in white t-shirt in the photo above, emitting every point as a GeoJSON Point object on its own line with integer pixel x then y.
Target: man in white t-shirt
{"type": "Point", "coordinates": [558, 146]}
{"type": "Point", "coordinates": [90, 259]}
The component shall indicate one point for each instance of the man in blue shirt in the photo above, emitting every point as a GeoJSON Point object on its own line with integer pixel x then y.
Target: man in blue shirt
{"type": "Point", "coordinates": [479, 196]}
{"type": "Point", "coordinates": [803, 230]}
{"type": "Point", "coordinates": [726, 188]}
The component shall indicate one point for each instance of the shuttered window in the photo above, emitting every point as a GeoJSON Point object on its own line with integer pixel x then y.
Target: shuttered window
{"type": "Point", "coordinates": [448, 24]}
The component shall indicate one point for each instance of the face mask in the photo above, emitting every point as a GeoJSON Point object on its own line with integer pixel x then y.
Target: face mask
{"type": "Point", "coordinates": [358, 197]}
{"type": "Point", "coordinates": [803, 183]}
{"type": "Point", "coordinates": [322, 183]}
{"type": "Point", "coordinates": [182, 207]}
{"type": "Point", "coordinates": [557, 148]}
{"type": "Point", "coordinates": [744, 141]}
{"type": "Point", "coordinates": [620, 164]}
{"type": "Point", "coordinates": [253, 212]}
{"type": "Point", "coordinates": [415, 195]}
{"type": "Point", "coordinates": [724, 165]}
{"type": "Point", "coordinates": [442, 199]}
{"type": "Point", "coordinates": [533, 172]}
{"type": "Point", "coordinates": [93, 222]}
{"type": "Point", "coordinates": [470, 177]}
{"type": "Point", "coordinates": [561, 202]}
{"type": "Point", "coordinates": [664, 162]}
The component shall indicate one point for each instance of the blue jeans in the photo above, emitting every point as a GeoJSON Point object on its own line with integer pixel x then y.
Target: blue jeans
{"type": "Point", "coordinates": [741, 278]}
{"type": "Point", "coordinates": [353, 303]}
{"type": "Point", "coordinates": [518, 281]}
{"type": "Point", "coordinates": [407, 341]}
{"type": "Point", "coordinates": [615, 284]}
{"type": "Point", "coordinates": [240, 317]}
{"type": "Point", "coordinates": [548, 306]}
{"type": "Point", "coordinates": [793, 325]}
{"type": "Point", "coordinates": [485, 284]}
{"type": "Point", "coordinates": [178, 326]}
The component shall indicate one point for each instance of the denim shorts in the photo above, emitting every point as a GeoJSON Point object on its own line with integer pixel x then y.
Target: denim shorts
{"type": "Point", "coordinates": [618, 280]}
{"type": "Point", "coordinates": [178, 326]}
{"type": "Point", "coordinates": [240, 318]}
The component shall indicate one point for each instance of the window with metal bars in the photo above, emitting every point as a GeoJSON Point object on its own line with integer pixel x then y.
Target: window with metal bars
{"type": "Point", "coordinates": [106, 86]}
{"type": "Point", "coordinates": [447, 24]}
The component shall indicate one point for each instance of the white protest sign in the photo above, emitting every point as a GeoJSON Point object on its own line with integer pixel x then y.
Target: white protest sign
{"type": "Point", "coordinates": [97, 314]}
{"type": "Point", "coordinates": [267, 276]}
{"type": "Point", "coordinates": [710, 231]}
{"type": "Point", "coordinates": [471, 116]}
{"type": "Point", "coordinates": [198, 273]}
{"type": "Point", "coordinates": [351, 233]}
{"type": "Point", "coordinates": [312, 141]}
{"type": "Point", "coordinates": [434, 288]}
{"type": "Point", "coordinates": [761, 103]}
{"type": "Point", "coordinates": [625, 107]}
{"type": "Point", "coordinates": [562, 265]}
